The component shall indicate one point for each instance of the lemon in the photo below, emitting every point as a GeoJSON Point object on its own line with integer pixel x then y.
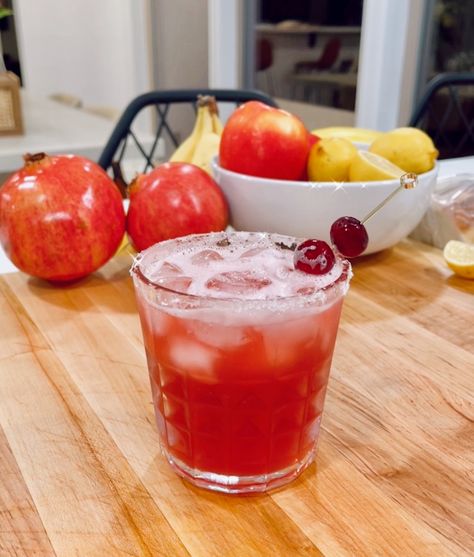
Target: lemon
{"type": "Point", "coordinates": [409, 148]}
{"type": "Point", "coordinates": [460, 258]}
{"type": "Point", "coordinates": [356, 135]}
{"type": "Point", "coordinates": [329, 160]}
{"type": "Point", "coordinates": [368, 167]}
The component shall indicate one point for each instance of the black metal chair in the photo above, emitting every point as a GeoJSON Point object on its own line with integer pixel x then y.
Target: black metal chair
{"type": "Point", "coordinates": [446, 113]}
{"type": "Point", "coordinates": [123, 134]}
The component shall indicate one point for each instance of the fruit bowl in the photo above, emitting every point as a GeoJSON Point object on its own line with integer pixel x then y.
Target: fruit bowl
{"type": "Point", "coordinates": [307, 209]}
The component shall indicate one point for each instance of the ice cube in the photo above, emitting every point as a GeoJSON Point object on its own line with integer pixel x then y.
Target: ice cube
{"type": "Point", "coordinates": [158, 320]}
{"type": "Point", "coordinates": [168, 269]}
{"type": "Point", "coordinates": [171, 276]}
{"type": "Point", "coordinates": [326, 340]}
{"type": "Point", "coordinates": [284, 341]}
{"type": "Point", "coordinates": [218, 335]}
{"type": "Point", "coordinates": [238, 282]}
{"type": "Point", "coordinates": [176, 283]}
{"type": "Point", "coordinates": [193, 358]}
{"type": "Point", "coordinates": [279, 352]}
{"type": "Point", "coordinates": [266, 253]}
{"type": "Point", "coordinates": [206, 256]}
{"type": "Point", "coordinates": [252, 252]}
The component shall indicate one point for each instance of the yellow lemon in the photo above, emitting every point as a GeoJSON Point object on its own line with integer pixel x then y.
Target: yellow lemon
{"type": "Point", "coordinates": [368, 167]}
{"type": "Point", "coordinates": [356, 135]}
{"type": "Point", "coordinates": [329, 160]}
{"type": "Point", "coordinates": [409, 148]}
{"type": "Point", "coordinates": [460, 258]}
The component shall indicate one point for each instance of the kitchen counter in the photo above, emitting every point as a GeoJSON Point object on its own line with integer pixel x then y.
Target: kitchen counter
{"type": "Point", "coordinates": [82, 473]}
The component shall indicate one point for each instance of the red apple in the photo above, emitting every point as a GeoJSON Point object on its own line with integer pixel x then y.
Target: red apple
{"type": "Point", "coordinates": [259, 140]}
{"type": "Point", "coordinates": [313, 139]}
{"type": "Point", "coordinates": [61, 217]}
{"type": "Point", "coordinates": [174, 199]}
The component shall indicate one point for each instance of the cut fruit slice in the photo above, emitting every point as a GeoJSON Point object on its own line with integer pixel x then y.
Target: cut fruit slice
{"type": "Point", "coordinates": [409, 148]}
{"type": "Point", "coordinates": [460, 258]}
{"type": "Point", "coordinates": [369, 167]}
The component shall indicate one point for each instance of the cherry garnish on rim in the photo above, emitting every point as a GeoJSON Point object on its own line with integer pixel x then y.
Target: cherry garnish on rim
{"type": "Point", "coordinates": [349, 234]}
{"type": "Point", "coordinates": [314, 257]}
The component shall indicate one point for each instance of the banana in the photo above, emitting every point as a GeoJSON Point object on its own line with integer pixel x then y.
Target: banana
{"type": "Point", "coordinates": [185, 150]}
{"type": "Point", "coordinates": [217, 124]}
{"type": "Point", "coordinates": [207, 124]}
{"type": "Point", "coordinates": [203, 143]}
{"type": "Point", "coordinates": [206, 150]}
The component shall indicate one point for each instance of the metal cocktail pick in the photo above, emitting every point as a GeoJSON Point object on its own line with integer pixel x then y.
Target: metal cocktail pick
{"type": "Point", "coordinates": [408, 181]}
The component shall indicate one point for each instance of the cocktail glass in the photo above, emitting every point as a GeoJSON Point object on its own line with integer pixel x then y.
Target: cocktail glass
{"type": "Point", "coordinates": [239, 347]}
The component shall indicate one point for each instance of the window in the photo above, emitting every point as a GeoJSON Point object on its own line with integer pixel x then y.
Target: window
{"type": "Point", "coordinates": [307, 50]}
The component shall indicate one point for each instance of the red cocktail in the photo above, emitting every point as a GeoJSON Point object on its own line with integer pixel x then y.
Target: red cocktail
{"type": "Point", "coordinates": [239, 346]}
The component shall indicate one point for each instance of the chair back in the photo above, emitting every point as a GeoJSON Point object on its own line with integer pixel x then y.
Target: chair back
{"type": "Point", "coordinates": [264, 58]}
{"type": "Point", "coordinates": [326, 60]}
{"type": "Point", "coordinates": [329, 55]}
{"type": "Point", "coordinates": [124, 135]}
{"type": "Point", "coordinates": [446, 112]}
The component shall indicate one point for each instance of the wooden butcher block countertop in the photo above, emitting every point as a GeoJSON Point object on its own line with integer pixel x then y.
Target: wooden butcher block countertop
{"type": "Point", "coordinates": [81, 473]}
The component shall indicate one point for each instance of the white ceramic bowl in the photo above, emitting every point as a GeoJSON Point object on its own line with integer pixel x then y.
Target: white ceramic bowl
{"type": "Point", "coordinates": [307, 209]}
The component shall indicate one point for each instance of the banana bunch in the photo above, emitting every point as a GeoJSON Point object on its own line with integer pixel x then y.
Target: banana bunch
{"type": "Point", "coordinates": [203, 143]}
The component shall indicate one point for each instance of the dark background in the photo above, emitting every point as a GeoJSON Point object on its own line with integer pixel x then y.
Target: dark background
{"type": "Point", "coordinates": [323, 12]}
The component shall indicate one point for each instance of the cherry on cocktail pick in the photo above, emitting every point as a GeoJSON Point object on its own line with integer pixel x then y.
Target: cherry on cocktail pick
{"type": "Point", "coordinates": [349, 234]}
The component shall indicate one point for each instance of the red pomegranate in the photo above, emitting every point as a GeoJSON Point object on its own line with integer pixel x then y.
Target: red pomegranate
{"type": "Point", "coordinates": [174, 199]}
{"type": "Point", "coordinates": [61, 217]}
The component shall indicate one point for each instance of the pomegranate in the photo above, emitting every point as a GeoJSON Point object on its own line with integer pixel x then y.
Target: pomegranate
{"type": "Point", "coordinates": [61, 217]}
{"type": "Point", "coordinates": [174, 199]}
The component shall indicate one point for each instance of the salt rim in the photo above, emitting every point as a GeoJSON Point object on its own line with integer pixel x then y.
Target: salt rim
{"type": "Point", "coordinates": [322, 297]}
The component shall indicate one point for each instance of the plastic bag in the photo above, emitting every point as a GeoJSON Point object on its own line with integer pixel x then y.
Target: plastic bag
{"type": "Point", "coordinates": [450, 215]}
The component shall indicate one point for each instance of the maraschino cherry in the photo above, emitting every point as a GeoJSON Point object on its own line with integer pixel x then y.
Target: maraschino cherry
{"type": "Point", "coordinates": [350, 236]}
{"type": "Point", "coordinates": [314, 257]}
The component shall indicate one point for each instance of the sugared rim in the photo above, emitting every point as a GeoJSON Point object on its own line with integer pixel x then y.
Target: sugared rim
{"type": "Point", "coordinates": [319, 296]}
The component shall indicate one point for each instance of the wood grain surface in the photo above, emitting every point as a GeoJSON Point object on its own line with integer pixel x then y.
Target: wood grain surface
{"type": "Point", "coordinates": [81, 472]}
